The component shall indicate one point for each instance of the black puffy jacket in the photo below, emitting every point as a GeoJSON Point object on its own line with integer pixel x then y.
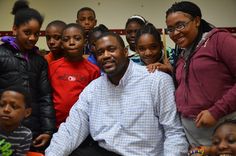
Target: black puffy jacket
{"type": "Point", "coordinates": [32, 73]}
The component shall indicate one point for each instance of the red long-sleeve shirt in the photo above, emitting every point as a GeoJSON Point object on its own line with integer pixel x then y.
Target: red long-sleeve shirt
{"type": "Point", "coordinates": [68, 79]}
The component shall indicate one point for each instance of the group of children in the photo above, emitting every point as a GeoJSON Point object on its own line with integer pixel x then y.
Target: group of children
{"type": "Point", "coordinates": [69, 72]}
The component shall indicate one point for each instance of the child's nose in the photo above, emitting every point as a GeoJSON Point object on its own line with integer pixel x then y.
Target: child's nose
{"type": "Point", "coordinates": [7, 109]}
{"type": "Point", "coordinates": [223, 145]}
{"type": "Point", "coordinates": [51, 41]}
{"type": "Point", "coordinates": [71, 42]}
{"type": "Point", "coordinates": [148, 52]}
{"type": "Point", "coordinates": [32, 37]}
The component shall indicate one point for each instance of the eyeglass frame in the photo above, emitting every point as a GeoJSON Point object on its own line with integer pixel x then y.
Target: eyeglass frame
{"type": "Point", "coordinates": [180, 26]}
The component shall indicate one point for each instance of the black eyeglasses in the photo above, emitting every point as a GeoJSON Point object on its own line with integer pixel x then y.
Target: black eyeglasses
{"type": "Point", "coordinates": [178, 27]}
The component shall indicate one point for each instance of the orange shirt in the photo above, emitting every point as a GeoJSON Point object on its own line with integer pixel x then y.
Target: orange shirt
{"type": "Point", "coordinates": [49, 57]}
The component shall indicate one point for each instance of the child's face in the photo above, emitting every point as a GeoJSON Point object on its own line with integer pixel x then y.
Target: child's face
{"type": "Point", "coordinates": [73, 42]}
{"type": "Point", "coordinates": [131, 31]}
{"type": "Point", "coordinates": [148, 48]}
{"type": "Point", "coordinates": [87, 20]}
{"type": "Point", "coordinates": [95, 35]}
{"type": "Point", "coordinates": [12, 110]}
{"type": "Point", "coordinates": [53, 38]}
{"type": "Point", "coordinates": [27, 34]}
{"type": "Point", "coordinates": [224, 140]}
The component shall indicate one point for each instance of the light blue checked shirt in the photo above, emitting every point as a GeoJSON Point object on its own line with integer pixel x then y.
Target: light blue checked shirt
{"type": "Point", "coordinates": [135, 118]}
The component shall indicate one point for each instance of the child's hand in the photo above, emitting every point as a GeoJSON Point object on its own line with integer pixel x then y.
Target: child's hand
{"type": "Point", "coordinates": [205, 119]}
{"type": "Point", "coordinates": [165, 67]}
{"type": "Point", "coordinates": [41, 140]}
{"type": "Point", "coordinates": [153, 67]}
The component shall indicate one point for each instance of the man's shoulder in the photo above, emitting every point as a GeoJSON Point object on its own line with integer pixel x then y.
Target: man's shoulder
{"type": "Point", "coordinates": [99, 81]}
{"type": "Point", "coordinates": [143, 72]}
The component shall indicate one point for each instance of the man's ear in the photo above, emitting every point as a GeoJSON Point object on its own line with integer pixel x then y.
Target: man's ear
{"type": "Point", "coordinates": [126, 52]}
{"type": "Point", "coordinates": [28, 112]}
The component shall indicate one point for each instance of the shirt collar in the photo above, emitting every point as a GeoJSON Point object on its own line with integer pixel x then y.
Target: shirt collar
{"type": "Point", "coordinates": [124, 80]}
{"type": "Point", "coordinates": [131, 52]}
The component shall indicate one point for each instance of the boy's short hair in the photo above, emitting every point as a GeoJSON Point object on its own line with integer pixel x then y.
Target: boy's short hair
{"type": "Point", "coordinates": [22, 90]}
{"type": "Point", "coordinates": [57, 23]}
{"type": "Point", "coordinates": [86, 9]}
{"type": "Point", "coordinates": [74, 25]}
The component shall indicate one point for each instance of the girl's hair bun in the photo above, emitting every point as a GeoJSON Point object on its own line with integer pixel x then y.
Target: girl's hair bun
{"type": "Point", "coordinates": [19, 5]}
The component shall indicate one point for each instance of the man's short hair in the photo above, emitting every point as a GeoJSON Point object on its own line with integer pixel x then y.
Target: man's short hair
{"type": "Point", "coordinates": [118, 38]}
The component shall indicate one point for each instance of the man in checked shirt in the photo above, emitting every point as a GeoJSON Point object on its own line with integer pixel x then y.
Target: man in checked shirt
{"type": "Point", "coordinates": [128, 111]}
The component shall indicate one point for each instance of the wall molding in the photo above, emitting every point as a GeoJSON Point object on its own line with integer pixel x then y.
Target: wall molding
{"type": "Point", "coordinates": [119, 31]}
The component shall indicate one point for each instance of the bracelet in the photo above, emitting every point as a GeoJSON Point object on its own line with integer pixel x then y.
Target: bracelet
{"type": "Point", "coordinates": [199, 150]}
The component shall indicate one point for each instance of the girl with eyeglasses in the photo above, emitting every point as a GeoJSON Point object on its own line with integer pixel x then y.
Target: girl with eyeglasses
{"type": "Point", "coordinates": [205, 72]}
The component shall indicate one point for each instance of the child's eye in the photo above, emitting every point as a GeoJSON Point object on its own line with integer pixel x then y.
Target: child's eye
{"type": "Point", "coordinates": [65, 39]}
{"type": "Point", "coordinates": [82, 19]}
{"type": "Point", "coordinates": [131, 31]}
{"type": "Point", "coordinates": [14, 106]}
{"type": "Point", "coordinates": [216, 141]}
{"type": "Point", "coordinates": [37, 34]}
{"type": "Point", "coordinates": [231, 139]}
{"type": "Point", "coordinates": [153, 47]}
{"type": "Point", "coordinates": [27, 33]}
{"type": "Point", "coordinates": [57, 37]}
{"type": "Point", "coordinates": [48, 37]}
{"type": "Point", "coordinates": [91, 18]}
{"type": "Point", "coordinates": [77, 38]}
{"type": "Point", "coordinates": [141, 48]}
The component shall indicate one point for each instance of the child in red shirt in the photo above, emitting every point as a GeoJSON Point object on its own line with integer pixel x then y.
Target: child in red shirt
{"type": "Point", "coordinates": [71, 74]}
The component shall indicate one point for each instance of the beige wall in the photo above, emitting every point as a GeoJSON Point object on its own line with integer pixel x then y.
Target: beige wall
{"type": "Point", "coordinates": [114, 13]}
